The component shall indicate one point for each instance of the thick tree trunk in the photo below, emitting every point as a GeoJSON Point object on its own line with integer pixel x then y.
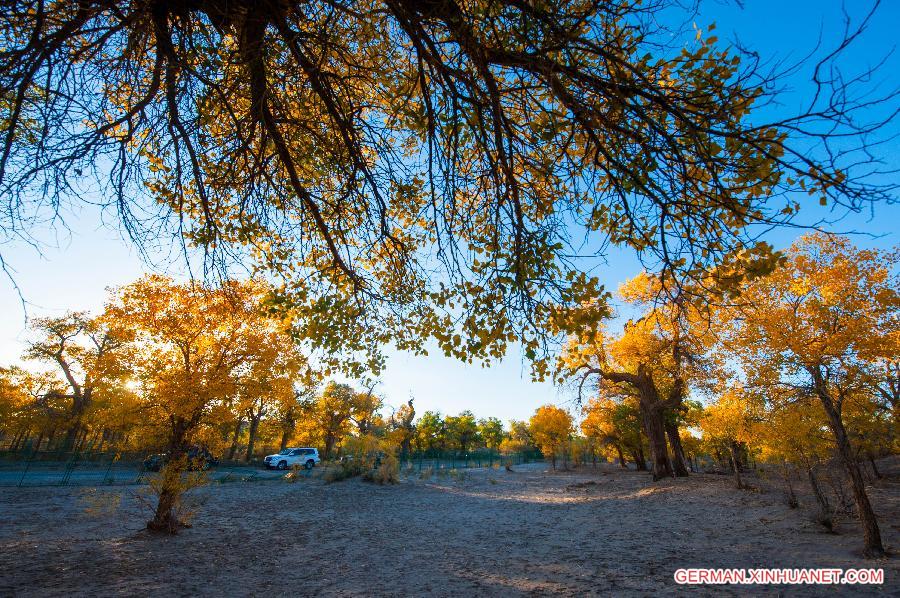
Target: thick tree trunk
{"type": "Point", "coordinates": [622, 463]}
{"type": "Point", "coordinates": [871, 534]}
{"type": "Point", "coordinates": [329, 445]}
{"type": "Point", "coordinates": [678, 460]}
{"type": "Point", "coordinates": [284, 440]}
{"type": "Point", "coordinates": [660, 466]}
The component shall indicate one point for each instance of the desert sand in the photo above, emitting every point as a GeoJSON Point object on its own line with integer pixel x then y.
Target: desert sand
{"type": "Point", "coordinates": [486, 532]}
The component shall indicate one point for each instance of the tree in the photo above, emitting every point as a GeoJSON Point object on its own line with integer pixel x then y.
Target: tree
{"type": "Point", "coordinates": [658, 358]}
{"type": "Point", "coordinates": [616, 424]}
{"type": "Point", "coordinates": [731, 422]}
{"type": "Point", "coordinates": [351, 150]}
{"type": "Point", "coordinates": [266, 378]}
{"type": "Point", "coordinates": [630, 363]}
{"type": "Point", "coordinates": [188, 342]}
{"type": "Point", "coordinates": [365, 410]}
{"type": "Point", "coordinates": [821, 325]}
{"type": "Point", "coordinates": [30, 402]}
{"type": "Point", "coordinates": [331, 413]}
{"type": "Point", "coordinates": [403, 427]}
{"type": "Point", "coordinates": [430, 432]}
{"type": "Point", "coordinates": [87, 352]}
{"type": "Point", "coordinates": [461, 430]}
{"type": "Point", "coordinates": [491, 432]}
{"type": "Point", "coordinates": [519, 438]}
{"type": "Point", "coordinates": [551, 427]}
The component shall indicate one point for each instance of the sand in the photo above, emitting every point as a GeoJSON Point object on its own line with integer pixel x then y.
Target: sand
{"type": "Point", "coordinates": [490, 532]}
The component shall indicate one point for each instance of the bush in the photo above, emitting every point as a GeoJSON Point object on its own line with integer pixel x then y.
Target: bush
{"type": "Point", "coordinates": [369, 457]}
{"type": "Point", "coordinates": [386, 472]}
{"type": "Point", "coordinates": [342, 471]}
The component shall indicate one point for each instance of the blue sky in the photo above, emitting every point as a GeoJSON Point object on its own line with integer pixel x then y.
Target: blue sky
{"type": "Point", "coordinates": [78, 264]}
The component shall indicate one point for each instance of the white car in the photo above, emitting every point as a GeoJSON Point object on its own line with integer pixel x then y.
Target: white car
{"type": "Point", "coordinates": [289, 457]}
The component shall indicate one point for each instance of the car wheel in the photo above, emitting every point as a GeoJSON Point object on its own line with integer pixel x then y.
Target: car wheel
{"type": "Point", "coordinates": [282, 465]}
{"type": "Point", "coordinates": [310, 464]}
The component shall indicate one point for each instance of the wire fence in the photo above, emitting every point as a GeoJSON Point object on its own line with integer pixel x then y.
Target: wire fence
{"type": "Point", "coordinates": [95, 468]}
{"type": "Point", "coordinates": [437, 460]}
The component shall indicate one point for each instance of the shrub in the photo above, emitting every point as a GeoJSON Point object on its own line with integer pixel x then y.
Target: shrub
{"type": "Point", "coordinates": [386, 472]}
{"type": "Point", "coordinates": [458, 474]}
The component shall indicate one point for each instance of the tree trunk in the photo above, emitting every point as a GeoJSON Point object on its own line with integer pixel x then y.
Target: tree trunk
{"type": "Point", "coordinates": [826, 517]}
{"type": "Point", "coordinates": [735, 465]}
{"type": "Point", "coordinates": [71, 435]}
{"type": "Point", "coordinates": [871, 534]}
{"type": "Point", "coordinates": [165, 518]}
{"type": "Point", "coordinates": [622, 463]}
{"type": "Point", "coordinates": [660, 466]}
{"type": "Point", "coordinates": [79, 406]}
{"type": "Point", "coordinates": [234, 438]}
{"type": "Point", "coordinates": [789, 487]}
{"type": "Point", "coordinates": [877, 473]}
{"type": "Point", "coordinates": [678, 459]}
{"type": "Point", "coordinates": [251, 439]}
{"type": "Point", "coordinates": [284, 440]}
{"type": "Point", "coordinates": [329, 445]}
{"type": "Point", "coordinates": [640, 462]}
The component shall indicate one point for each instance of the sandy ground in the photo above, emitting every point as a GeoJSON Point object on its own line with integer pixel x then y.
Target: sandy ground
{"type": "Point", "coordinates": [490, 532]}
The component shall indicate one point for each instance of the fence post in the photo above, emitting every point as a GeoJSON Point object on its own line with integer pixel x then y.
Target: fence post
{"type": "Point", "coordinates": [69, 467]}
{"type": "Point", "coordinates": [27, 466]}
{"type": "Point", "coordinates": [106, 478]}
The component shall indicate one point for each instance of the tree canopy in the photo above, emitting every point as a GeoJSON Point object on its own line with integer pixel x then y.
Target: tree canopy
{"type": "Point", "coordinates": [419, 170]}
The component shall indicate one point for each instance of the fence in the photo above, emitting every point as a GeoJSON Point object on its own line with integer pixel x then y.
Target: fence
{"type": "Point", "coordinates": [87, 468]}
{"type": "Point", "coordinates": [464, 460]}
{"type": "Point", "coordinates": [95, 468]}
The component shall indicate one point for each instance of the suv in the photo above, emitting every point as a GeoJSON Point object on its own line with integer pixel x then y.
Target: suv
{"type": "Point", "coordinates": [198, 459]}
{"type": "Point", "coordinates": [307, 457]}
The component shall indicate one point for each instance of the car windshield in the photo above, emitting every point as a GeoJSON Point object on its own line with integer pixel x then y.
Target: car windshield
{"type": "Point", "coordinates": [285, 452]}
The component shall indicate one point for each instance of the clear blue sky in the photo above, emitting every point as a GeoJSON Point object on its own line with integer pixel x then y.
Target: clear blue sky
{"type": "Point", "coordinates": [77, 265]}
